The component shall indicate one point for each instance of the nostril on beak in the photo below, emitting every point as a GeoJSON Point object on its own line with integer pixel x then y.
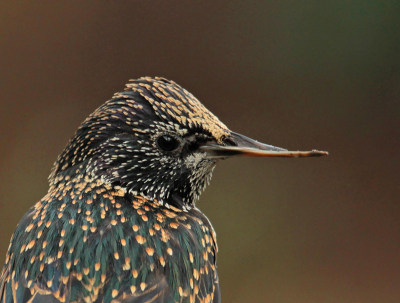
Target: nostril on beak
{"type": "Point", "coordinates": [229, 141]}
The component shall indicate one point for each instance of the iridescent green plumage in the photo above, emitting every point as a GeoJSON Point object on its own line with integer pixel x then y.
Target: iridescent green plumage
{"type": "Point", "coordinates": [119, 222]}
{"type": "Point", "coordinates": [97, 242]}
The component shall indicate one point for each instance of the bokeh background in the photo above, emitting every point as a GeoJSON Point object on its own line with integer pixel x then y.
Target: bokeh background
{"type": "Point", "coordinates": [295, 74]}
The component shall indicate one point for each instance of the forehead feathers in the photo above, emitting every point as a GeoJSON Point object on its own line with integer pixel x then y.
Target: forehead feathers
{"type": "Point", "coordinates": [144, 102]}
{"type": "Point", "coordinates": [172, 102]}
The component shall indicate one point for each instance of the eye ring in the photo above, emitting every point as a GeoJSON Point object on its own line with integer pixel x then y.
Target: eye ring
{"type": "Point", "coordinates": [168, 143]}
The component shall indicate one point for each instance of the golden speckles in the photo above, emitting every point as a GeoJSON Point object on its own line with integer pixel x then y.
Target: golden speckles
{"type": "Point", "coordinates": [93, 229]}
{"type": "Point", "coordinates": [152, 232]}
{"type": "Point", "coordinates": [206, 268]}
{"type": "Point", "coordinates": [63, 233]}
{"type": "Point", "coordinates": [123, 242]}
{"type": "Point", "coordinates": [135, 228]}
{"type": "Point", "coordinates": [140, 212]}
{"type": "Point", "coordinates": [86, 271]}
{"type": "Point", "coordinates": [23, 248]}
{"type": "Point", "coordinates": [144, 218]}
{"type": "Point", "coordinates": [79, 276]}
{"type": "Point", "coordinates": [88, 212]}
{"type": "Point", "coordinates": [198, 221]}
{"type": "Point", "coordinates": [30, 245]}
{"type": "Point", "coordinates": [41, 268]}
{"type": "Point", "coordinates": [71, 250]}
{"type": "Point", "coordinates": [170, 214]}
{"type": "Point", "coordinates": [162, 261]}
{"type": "Point", "coordinates": [174, 225]}
{"type": "Point", "coordinates": [191, 257]}
{"type": "Point", "coordinates": [143, 286]}
{"type": "Point", "coordinates": [182, 218]}
{"type": "Point", "coordinates": [164, 235]}
{"type": "Point", "coordinates": [119, 212]}
{"type": "Point", "coordinates": [118, 205]}
{"type": "Point", "coordinates": [120, 193]}
{"type": "Point", "coordinates": [133, 289]}
{"type": "Point", "coordinates": [102, 216]}
{"type": "Point", "coordinates": [140, 239]}
{"type": "Point", "coordinates": [113, 222]}
{"type": "Point", "coordinates": [40, 223]}
{"type": "Point", "coordinates": [150, 251]}
{"type": "Point", "coordinates": [49, 283]}
{"type": "Point", "coordinates": [76, 261]}
{"type": "Point", "coordinates": [48, 223]}
{"type": "Point", "coordinates": [116, 256]}
{"type": "Point", "coordinates": [33, 259]}
{"type": "Point", "coordinates": [191, 283]}
{"type": "Point", "coordinates": [84, 227]}
{"type": "Point", "coordinates": [180, 291]}
{"type": "Point", "coordinates": [160, 218]}
{"type": "Point", "coordinates": [203, 242]}
{"type": "Point", "coordinates": [205, 255]}
{"type": "Point", "coordinates": [97, 266]}
{"type": "Point", "coordinates": [196, 274]}
{"type": "Point", "coordinates": [60, 243]}
{"type": "Point", "coordinates": [114, 293]}
{"type": "Point", "coordinates": [60, 215]}
{"type": "Point", "coordinates": [29, 228]}
{"type": "Point", "coordinates": [41, 256]}
{"type": "Point", "coordinates": [157, 226]}
{"type": "Point", "coordinates": [123, 219]}
{"type": "Point", "coordinates": [68, 265]}
{"type": "Point", "coordinates": [196, 289]}
{"type": "Point", "coordinates": [127, 264]}
{"type": "Point", "coordinates": [71, 221]}
{"type": "Point", "coordinates": [135, 273]}
{"type": "Point", "coordinates": [169, 251]}
{"type": "Point", "coordinates": [177, 210]}
{"type": "Point", "coordinates": [89, 201]}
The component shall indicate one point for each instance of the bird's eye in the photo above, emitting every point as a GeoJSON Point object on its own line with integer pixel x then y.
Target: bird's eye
{"type": "Point", "coordinates": [168, 143]}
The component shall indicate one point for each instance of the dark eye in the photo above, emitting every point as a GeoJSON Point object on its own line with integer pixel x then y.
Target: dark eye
{"type": "Point", "coordinates": [168, 143]}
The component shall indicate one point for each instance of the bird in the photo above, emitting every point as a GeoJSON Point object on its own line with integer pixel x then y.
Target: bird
{"type": "Point", "coordinates": [119, 222]}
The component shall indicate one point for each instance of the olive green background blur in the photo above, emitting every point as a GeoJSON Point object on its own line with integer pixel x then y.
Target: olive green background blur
{"type": "Point", "coordinates": [295, 74]}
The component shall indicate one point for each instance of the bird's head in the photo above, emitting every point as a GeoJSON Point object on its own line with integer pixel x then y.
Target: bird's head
{"type": "Point", "coordinates": [157, 140]}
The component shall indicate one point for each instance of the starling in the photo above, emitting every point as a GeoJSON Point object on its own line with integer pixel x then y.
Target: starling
{"type": "Point", "coordinates": [119, 222]}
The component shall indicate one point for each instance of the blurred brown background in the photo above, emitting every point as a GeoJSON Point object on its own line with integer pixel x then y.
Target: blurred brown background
{"type": "Point", "coordinates": [296, 74]}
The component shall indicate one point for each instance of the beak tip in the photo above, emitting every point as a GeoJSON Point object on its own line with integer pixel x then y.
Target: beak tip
{"type": "Point", "coordinates": [319, 153]}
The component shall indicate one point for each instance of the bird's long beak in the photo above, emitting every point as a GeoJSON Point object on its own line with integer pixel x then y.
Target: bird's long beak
{"type": "Point", "coordinates": [239, 145]}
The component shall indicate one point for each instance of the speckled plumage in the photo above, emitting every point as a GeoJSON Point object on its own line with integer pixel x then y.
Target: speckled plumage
{"type": "Point", "coordinates": [119, 222]}
{"type": "Point", "coordinates": [109, 230]}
